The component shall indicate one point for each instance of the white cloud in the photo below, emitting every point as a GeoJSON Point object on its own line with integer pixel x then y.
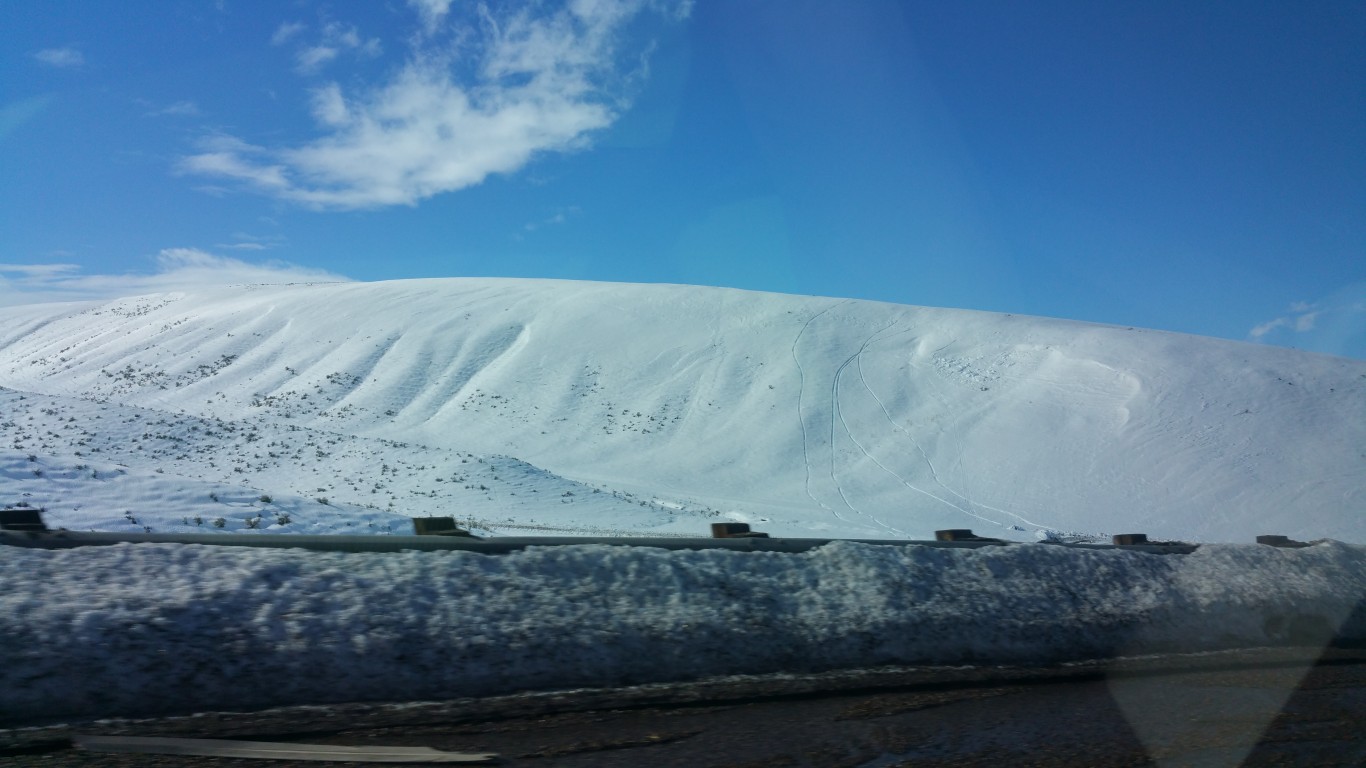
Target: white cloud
{"type": "Point", "coordinates": [540, 83]}
{"type": "Point", "coordinates": [329, 106]}
{"type": "Point", "coordinates": [38, 271]}
{"type": "Point", "coordinates": [559, 217]}
{"type": "Point", "coordinates": [313, 58]}
{"type": "Point", "coordinates": [15, 114]}
{"type": "Point", "coordinates": [63, 58]}
{"type": "Point", "coordinates": [178, 109]}
{"type": "Point", "coordinates": [336, 39]}
{"type": "Point", "coordinates": [1301, 318]}
{"type": "Point", "coordinates": [176, 269]}
{"type": "Point", "coordinates": [433, 12]}
{"type": "Point", "coordinates": [243, 241]}
{"type": "Point", "coordinates": [286, 31]}
{"type": "Point", "coordinates": [237, 160]}
{"type": "Point", "coordinates": [1263, 329]}
{"type": "Point", "coordinates": [1335, 324]}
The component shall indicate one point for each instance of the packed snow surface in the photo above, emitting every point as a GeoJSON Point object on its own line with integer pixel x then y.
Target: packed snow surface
{"type": "Point", "coordinates": [144, 628]}
{"type": "Point", "coordinates": [526, 405]}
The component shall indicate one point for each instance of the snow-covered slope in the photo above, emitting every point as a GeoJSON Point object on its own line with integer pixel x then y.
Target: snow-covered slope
{"type": "Point", "coordinates": [606, 407]}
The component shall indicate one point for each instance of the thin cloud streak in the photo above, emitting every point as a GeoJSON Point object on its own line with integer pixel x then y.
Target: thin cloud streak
{"type": "Point", "coordinates": [286, 31]}
{"type": "Point", "coordinates": [176, 269]}
{"type": "Point", "coordinates": [543, 84]}
{"type": "Point", "coordinates": [336, 40]}
{"type": "Point", "coordinates": [1262, 329]}
{"type": "Point", "coordinates": [62, 58]}
{"type": "Point", "coordinates": [178, 109]}
{"type": "Point", "coordinates": [1335, 324]}
{"type": "Point", "coordinates": [433, 13]}
{"type": "Point", "coordinates": [248, 246]}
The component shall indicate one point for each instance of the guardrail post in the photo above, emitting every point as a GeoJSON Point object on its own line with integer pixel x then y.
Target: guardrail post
{"type": "Point", "coordinates": [1275, 540]}
{"type": "Point", "coordinates": [735, 531]}
{"type": "Point", "coordinates": [22, 519]}
{"type": "Point", "coordinates": [955, 534]}
{"type": "Point", "coordinates": [438, 526]}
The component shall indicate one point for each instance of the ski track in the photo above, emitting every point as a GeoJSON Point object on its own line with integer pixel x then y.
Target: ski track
{"type": "Point", "coordinates": [958, 445]}
{"type": "Point", "coordinates": [858, 359]}
{"type": "Point", "coordinates": [836, 412]}
{"type": "Point", "coordinates": [837, 416]}
{"type": "Point", "coordinates": [801, 392]}
{"type": "Point", "coordinates": [966, 497]}
{"type": "Point", "coordinates": [934, 473]}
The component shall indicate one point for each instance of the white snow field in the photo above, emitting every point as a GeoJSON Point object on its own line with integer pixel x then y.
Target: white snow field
{"type": "Point", "coordinates": [508, 403]}
{"type": "Point", "coordinates": [526, 406]}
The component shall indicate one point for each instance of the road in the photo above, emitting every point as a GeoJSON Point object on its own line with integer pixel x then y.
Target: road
{"type": "Point", "coordinates": [1269, 707]}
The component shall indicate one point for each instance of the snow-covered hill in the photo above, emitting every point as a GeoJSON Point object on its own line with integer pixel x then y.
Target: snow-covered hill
{"type": "Point", "coordinates": [522, 405]}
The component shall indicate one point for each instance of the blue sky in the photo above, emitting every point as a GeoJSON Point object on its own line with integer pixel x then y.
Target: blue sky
{"type": "Point", "coordinates": [1196, 167]}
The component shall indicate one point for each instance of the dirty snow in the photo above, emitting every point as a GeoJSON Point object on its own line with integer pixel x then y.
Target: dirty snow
{"type": "Point", "coordinates": [141, 628]}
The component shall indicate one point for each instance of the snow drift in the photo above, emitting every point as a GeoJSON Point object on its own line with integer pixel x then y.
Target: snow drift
{"type": "Point", "coordinates": [151, 628]}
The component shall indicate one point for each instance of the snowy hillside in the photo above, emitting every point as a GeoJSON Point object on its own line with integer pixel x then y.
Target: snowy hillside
{"type": "Point", "coordinates": [525, 405]}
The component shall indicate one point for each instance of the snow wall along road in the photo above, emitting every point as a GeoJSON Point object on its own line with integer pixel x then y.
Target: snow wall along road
{"type": "Point", "coordinates": [157, 628]}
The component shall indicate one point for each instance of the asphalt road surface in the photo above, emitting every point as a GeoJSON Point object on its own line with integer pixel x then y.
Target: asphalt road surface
{"type": "Point", "coordinates": [1269, 707]}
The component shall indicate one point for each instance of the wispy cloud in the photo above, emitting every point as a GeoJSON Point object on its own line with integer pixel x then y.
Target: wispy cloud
{"type": "Point", "coordinates": [18, 113]}
{"type": "Point", "coordinates": [243, 241]}
{"type": "Point", "coordinates": [559, 217]}
{"type": "Point", "coordinates": [335, 40]}
{"type": "Point", "coordinates": [312, 58]}
{"type": "Point", "coordinates": [1335, 324]}
{"type": "Point", "coordinates": [235, 159]}
{"type": "Point", "coordinates": [541, 82]}
{"type": "Point", "coordinates": [175, 269]}
{"type": "Point", "coordinates": [62, 58]}
{"type": "Point", "coordinates": [38, 271]}
{"type": "Point", "coordinates": [1302, 318]}
{"type": "Point", "coordinates": [433, 13]}
{"type": "Point", "coordinates": [1260, 330]}
{"type": "Point", "coordinates": [285, 31]}
{"type": "Point", "coordinates": [178, 109]}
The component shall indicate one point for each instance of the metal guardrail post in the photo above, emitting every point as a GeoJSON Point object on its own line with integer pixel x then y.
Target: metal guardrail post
{"type": "Point", "coordinates": [24, 528]}
{"type": "Point", "coordinates": [1285, 542]}
{"type": "Point", "coordinates": [21, 519]}
{"type": "Point", "coordinates": [964, 534]}
{"type": "Point", "coordinates": [735, 531]}
{"type": "Point", "coordinates": [438, 526]}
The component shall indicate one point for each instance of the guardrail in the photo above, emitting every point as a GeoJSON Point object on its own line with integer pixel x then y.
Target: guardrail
{"type": "Point", "coordinates": [24, 528]}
